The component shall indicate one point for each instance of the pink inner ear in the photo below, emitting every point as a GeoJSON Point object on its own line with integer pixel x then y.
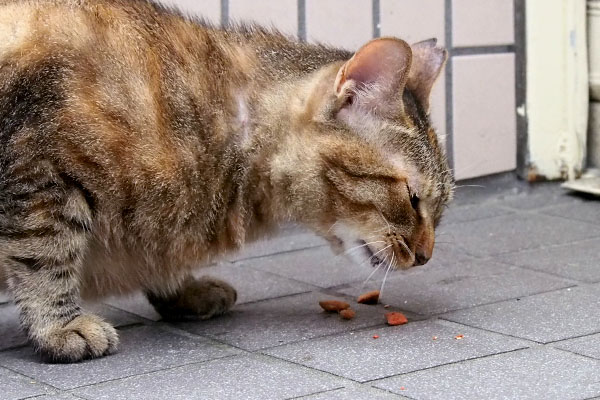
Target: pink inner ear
{"type": "Point", "coordinates": [385, 62]}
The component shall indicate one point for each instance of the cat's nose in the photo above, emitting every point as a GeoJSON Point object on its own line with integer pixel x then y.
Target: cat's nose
{"type": "Point", "coordinates": [420, 258]}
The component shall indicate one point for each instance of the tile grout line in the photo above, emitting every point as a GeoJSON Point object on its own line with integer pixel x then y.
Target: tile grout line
{"type": "Point", "coordinates": [278, 253]}
{"type": "Point", "coordinates": [301, 10]}
{"type": "Point", "coordinates": [224, 13]}
{"type": "Point", "coordinates": [446, 364]}
{"type": "Point", "coordinates": [440, 315]}
{"type": "Point", "coordinates": [168, 368]}
{"type": "Point", "coordinates": [576, 354]}
{"type": "Point", "coordinates": [376, 11]}
{"type": "Point", "coordinates": [449, 98]}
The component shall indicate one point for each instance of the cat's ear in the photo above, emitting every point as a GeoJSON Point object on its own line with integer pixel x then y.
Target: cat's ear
{"type": "Point", "coordinates": [375, 77]}
{"type": "Point", "coordinates": [427, 63]}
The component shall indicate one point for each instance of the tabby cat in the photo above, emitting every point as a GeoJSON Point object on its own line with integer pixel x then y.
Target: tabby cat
{"type": "Point", "coordinates": [137, 144]}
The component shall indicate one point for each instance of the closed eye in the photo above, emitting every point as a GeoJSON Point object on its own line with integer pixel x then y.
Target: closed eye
{"type": "Point", "coordinates": [414, 199]}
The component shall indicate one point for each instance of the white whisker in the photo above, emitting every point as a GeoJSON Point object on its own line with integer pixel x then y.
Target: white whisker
{"type": "Point", "coordinates": [386, 274]}
{"type": "Point", "coordinates": [373, 273]}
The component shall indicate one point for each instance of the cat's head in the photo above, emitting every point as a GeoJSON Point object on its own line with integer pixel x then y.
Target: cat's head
{"type": "Point", "coordinates": [364, 166]}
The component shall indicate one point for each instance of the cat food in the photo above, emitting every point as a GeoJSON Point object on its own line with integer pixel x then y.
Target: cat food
{"type": "Point", "coordinates": [459, 337]}
{"type": "Point", "coordinates": [348, 313]}
{"type": "Point", "coordinates": [375, 336]}
{"type": "Point", "coordinates": [333, 305]}
{"type": "Point", "coordinates": [395, 318]}
{"type": "Point", "coordinates": [369, 297]}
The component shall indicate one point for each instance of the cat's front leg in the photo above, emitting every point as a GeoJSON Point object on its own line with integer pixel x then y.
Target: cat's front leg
{"type": "Point", "coordinates": [43, 238]}
{"type": "Point", "coordinates": [195, 299]}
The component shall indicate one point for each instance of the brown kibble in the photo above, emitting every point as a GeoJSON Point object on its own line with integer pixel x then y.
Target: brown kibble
{"type": "Point", "coordinates": [369, 297]}
{"type": "Point", "coordinates": [375, 336]}
{"type": "Point", "coordinates": [395, 318]}
{"type": "Point", "coordinates": [348, 313]}
{"type": "Point", "coordinates": [459, 337]}
{"type": "Point", "coordinates": [333, 305]}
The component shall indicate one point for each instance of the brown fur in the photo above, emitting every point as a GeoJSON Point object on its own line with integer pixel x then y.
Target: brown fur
{"type": "Point", "coordinates": [137, 144]}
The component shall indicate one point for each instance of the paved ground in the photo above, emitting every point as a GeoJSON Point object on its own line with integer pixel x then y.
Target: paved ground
{"type": "Point", "coordinates": [516, 272]}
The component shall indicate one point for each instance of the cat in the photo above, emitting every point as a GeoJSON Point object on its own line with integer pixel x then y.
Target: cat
{"type": "Point", "coordinates": [137, 143]}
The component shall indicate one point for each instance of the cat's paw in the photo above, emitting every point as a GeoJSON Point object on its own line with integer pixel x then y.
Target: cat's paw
{"type": "Point", "coordinates": [86, 336]}
{"type": "Point", "coordinates": [209, 297]}
{"type": "Point", "coordinates": [197, 299]}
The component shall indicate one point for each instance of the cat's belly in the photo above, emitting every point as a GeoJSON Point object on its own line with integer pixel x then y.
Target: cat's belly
{"type": "Point", "coordinates": [117, 271]}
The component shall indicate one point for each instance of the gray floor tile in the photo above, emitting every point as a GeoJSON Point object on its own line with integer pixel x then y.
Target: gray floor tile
{"type": "Point", "coordinates": [13, 336]}
{"type": "Point", "coordinates": [461, 283]}
{"type": "Point", "coordinates": [539, 199]}
{"type": "Point", "coordinates": [251, 377]}
{"type": "Point", "coordinates": [284, 320]}
{"type": "Point", "coordinates": [516, 232]}
{"type": "Point", "coordinates": [399, 349]}
{"type": "Point", "coordinates": [319, 267]}
{"type": "Point", "coordinates": [587, 345]}
{"type": "Point", "coordinates": [4, 297]}
{"type": "Point", "coordinates": [135, 303]}
{"type": "Point", "coordinates": [10, 330]}
{"type": "Point", "coordinates": [62, 396]}
{"type": "Point", "coordinates": [544, 317]}
{"type": "Point", "coordinates": [539, 373]}
{"type": "Point", "coordinates": [254, 285]}
{"type": "Point", "coordinates": [359, 392]}
{"type": "Point", "coordinates": [579, 261]}
{"type": "Point", "coordinates": [472, 212]}
{"type": "Point", "coordinates": [14, 386]}
{"type": "Point", "coordinates": [586, 211]}
{"type": "Point", "coordinates": [278, 244]}
{"type": "Point", "coordinates": [142, 349]}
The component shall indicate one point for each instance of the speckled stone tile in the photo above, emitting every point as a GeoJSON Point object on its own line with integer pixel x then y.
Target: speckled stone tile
{"type": "Point", "coordinates": [587, 345]}
{"type": "Point", "coordinates": [142, 349]}
{"type": "Point", "coordinates": [585, 210]}
{"type": "Point", "coordinates": [252, 284]}
{"type": "Point", "coordinates": [284, 320]}
{"type": "Point", "coordinates": [318, 267]}
{"type": "Point", "coordinates": [397, 350]}
{"type": "Point", "coordinates": [540, 373]}
{"type": "Point", "coordinates": [579, 261]}
{"type": "Point", "coordinates": [4, 297]}
{"type": "Point", "coordinates": [460, 282]}
{"type": "Point", "coordinates": [279, 243]}
{"type": "Point", "coordinates": [13, 336]}
{"type": "Point", "coordinates": [456, 214]}
{"type": "Point", "coordinates": [358, 392]}
{"type": "Point", "coordinates": [10, 330]}
{"type": "Point", "coordinates": [14, 386]}
{"type": "Point", "coordinates": [544, 318]}
{"type": "Point", "coordinates": [517, 232]}
{"type": "Point", "coordinates": [252, 377]}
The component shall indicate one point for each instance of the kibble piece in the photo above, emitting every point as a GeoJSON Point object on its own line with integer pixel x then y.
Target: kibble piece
{"type": "Point", "coordinates": [369, 297]}
{"type": "Point", "coordinates": [395, 318]}
{"type": "Point", "coordinates": [333, 305]}
{"type": "Point", "coordinates": [348, 313]}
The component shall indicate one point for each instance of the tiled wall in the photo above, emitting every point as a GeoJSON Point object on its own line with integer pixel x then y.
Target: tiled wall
{"type": "Point", "coordinates": [473, 103]}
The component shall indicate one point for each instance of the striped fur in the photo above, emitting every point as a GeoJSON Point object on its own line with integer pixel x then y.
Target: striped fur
{"type": "Point", "coordinates": [137, 144]}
